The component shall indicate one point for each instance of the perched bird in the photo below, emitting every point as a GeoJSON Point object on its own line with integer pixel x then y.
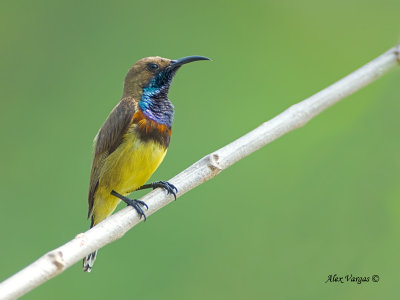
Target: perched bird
{"type": "Point", "coordinates": [133, 140]}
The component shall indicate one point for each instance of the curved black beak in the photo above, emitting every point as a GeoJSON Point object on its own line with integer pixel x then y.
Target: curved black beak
{"type": "Point", "coordinates": [184, 60]}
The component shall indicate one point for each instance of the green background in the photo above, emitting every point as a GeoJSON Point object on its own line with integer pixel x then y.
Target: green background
{"type": "Point", "coordinates": [321, 200]}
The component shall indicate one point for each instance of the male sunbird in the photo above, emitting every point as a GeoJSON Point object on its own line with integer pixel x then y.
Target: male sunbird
{"type": "Point", "coordinates": [133, 140]}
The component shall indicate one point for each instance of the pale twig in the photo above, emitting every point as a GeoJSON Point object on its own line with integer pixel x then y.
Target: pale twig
{"type": "Point", "coordinates": [114, 227]}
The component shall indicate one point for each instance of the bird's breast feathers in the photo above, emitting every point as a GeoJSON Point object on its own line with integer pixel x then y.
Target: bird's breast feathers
{"type": "Point", "coordinates": [142, 150]}
{"type": "Point", "coordinates": [148, 129]}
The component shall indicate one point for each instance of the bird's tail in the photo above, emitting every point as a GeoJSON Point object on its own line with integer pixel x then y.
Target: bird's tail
{"type": "Point", "coordinates": [88, 261]}
{"type": "Point", "coordinates": [104, 205]}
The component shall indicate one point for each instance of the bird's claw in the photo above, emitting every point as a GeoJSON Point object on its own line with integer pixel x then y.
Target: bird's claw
{"type": "Point", "coordinates": [136, 204]}
{"type": "Point", "coordinates": [169, 187]}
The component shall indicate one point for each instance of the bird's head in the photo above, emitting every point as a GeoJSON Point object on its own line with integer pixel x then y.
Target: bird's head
{"type": "Point", "coordinates": [152, 76]}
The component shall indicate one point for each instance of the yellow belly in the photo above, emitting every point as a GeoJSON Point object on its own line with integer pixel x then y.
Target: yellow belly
{"type": "Point", "coordinates": [124, 171]}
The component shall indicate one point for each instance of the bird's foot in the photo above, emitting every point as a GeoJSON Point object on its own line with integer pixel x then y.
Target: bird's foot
{"type": "Point", "coordinates": [136, 204]}
{"type": "Point", "coordinates": [169, 187]}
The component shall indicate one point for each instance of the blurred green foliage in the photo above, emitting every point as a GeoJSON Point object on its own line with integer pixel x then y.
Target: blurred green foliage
{"type": "Point", "coordinates": [321, 200]}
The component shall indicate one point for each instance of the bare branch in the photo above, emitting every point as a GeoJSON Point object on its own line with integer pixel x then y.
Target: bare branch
{"type": "Point", "coordinates": [114, 227]}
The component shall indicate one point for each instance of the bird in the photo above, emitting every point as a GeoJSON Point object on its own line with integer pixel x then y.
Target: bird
{"type": "Point", "coordinates": [133, 140]}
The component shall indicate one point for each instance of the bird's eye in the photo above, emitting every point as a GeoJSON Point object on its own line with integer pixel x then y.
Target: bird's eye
{"type": "Point", "coordinates": [152, 67]}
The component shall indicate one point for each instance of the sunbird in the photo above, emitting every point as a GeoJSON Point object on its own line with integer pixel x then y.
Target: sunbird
{"type": "Point", "coordinates": [133, 140]}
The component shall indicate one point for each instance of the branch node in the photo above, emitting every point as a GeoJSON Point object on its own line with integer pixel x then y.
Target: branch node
{"type": "Point", "coordinates": [301, 115]}
{"type": "Point", "coordinates": [214, 164]}
{"type": "Point", "coordinates": [57, 258]}
{"type": "Point", "coordinates": [81, 236]}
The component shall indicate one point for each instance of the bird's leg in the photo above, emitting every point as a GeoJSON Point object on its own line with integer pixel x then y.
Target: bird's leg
{"type": "Point", "coordinates": [136, 204]}
{"type": "Point", "coordinates": [169, 187]}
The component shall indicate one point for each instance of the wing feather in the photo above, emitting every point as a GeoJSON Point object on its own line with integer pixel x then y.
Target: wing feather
{"type": "Point", "coordinates": [108, 139]}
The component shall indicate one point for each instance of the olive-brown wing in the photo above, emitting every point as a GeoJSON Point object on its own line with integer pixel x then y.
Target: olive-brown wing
{"type": "Point", "coordinates": [108, 139]}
